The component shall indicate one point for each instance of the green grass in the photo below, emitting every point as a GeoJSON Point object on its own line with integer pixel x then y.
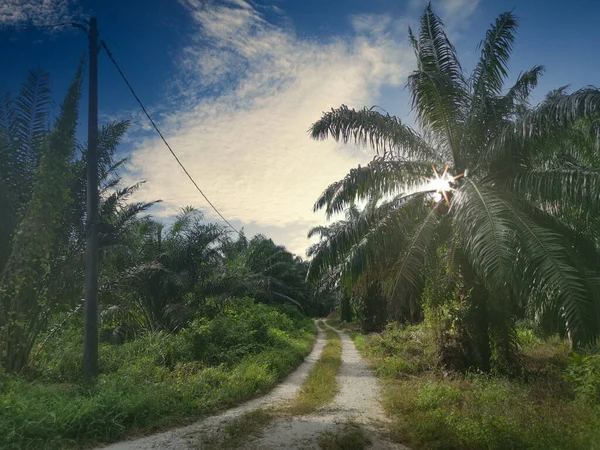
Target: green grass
{"type": "Point", "coordinates": [350, 437]}
{"type": "Point", "coordinates": [239, 430]}
{"type": "Point", "coordinates": [144, 389]}
{"type": "Point", "coordinates": [318, 389]}
{"type": "Point", "coordinates": [334, 321]}
{"type": "Point", "coordinates": [321, 385]}
{"type": "Point", "coordinates": [432, 409]}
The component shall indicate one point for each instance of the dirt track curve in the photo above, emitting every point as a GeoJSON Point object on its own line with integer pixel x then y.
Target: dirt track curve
{"type": "Point", "coordinates": [357, 402]}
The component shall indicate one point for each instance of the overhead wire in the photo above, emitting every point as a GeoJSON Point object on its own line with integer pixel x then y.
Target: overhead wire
{"type": "Point", "coordinates": [111, 57]}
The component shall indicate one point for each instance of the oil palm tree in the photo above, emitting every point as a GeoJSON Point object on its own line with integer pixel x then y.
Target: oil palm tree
{"type": "Point", "coordinates": [506, 225]}
{"type": "Point", "coordinates": [333, 263]}
{"type": "Point", "coordinates": [42, 199]}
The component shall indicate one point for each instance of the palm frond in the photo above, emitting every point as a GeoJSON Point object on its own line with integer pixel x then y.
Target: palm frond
{"type": "Point", "coordinates": [436, 52]}
{"type": "Point", "coordinates": [492, 68]}
{"type": "Point", "coordinates": [486, 233]}
{"type": "Point", "coordinates": [437, 87]}
{"type": "Point", "coordinates": [550, 276]}
{"type": "Point", "coordinates": [556, 113]}
{"type": "Point", "coordinates": [384, 133]}
{"type": "Point", "coordinates": [526, 82]}
{"type": "Point", "coordinates": [31, 115]}
{"type": "Point", "coordinates": [558, 188]}
{"type": "Point", "coordinates": [109, 138]}
{"type": "Point", "coordinates": [408, 274]}
{"type": "Point", "coordinates": [379, 177]}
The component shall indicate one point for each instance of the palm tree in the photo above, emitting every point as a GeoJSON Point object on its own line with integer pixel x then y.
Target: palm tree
{"type": "Point", "coordinates": [42, 198]}
{"type": "Point", "coordinates": [161, 276]}
{"type": "Point", "coordinates": [507, 227]}
{"type": "Point", "coordinates": [266, 272]}
{"type": "Point", "coordinates": [364, 286]}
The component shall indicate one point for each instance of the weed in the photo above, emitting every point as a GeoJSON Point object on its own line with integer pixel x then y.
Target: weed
{"type": "Point", "coordinates": [431, 409]}
{"type": "Point", "coordinates": [321, 385]}
{"type": "Point", "coordinates": [236, 432]}
{"type": "Point", "coordinates": [350, 437]}
{"type": "Point", "coordinates": [153, 382]}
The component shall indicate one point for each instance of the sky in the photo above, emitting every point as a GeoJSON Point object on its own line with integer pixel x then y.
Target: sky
{"type": "Point", "coordinates": [235, 85]}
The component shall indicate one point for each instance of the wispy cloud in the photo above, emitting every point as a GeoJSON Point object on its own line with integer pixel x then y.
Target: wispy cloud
{"type": "Point", "coordinates": [454, 13]}
{"type": "Point", "coordinates": [37, 12]}
{"type": "Point", "coordinates": [248, 94]}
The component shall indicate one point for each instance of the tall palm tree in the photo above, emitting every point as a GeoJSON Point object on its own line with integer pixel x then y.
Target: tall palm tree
{"type": "Point", "coordinates": [508, 224]}
{"type": "Point", "coordinates": [42, 199]}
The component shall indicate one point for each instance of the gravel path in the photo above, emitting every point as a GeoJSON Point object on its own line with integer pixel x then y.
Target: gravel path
{"type": "Point", "coordinates": [357, 401]}
{"type": "Point", "coordinates": [187, 437]}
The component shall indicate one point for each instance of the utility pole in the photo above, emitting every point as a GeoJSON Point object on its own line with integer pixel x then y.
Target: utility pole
{"type": "Point", "coordinates": [90, 326]}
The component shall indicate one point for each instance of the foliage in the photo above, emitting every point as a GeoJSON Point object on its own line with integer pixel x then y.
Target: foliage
{"type": "Point", "coordinates": [510, 213]}
{"type": "Point", "coordinates": [349, 437]}
{"type": "Point", "coordinates": [584, 372]}
{"type": "Point", "coordinates": [486, 413]}
{"type": "Point", "coordinates": [41, 248]}
{"type": "Point", "coordinates": [152, 382]}
{"type": "Point", "coordinates": [401, 350]}
{"type": "Point", "coordinates": [435, 409]}
{"type": "Point", "coordinates": [191, 320]}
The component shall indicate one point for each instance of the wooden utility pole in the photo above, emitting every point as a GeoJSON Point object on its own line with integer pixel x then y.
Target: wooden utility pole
{"type": "Point", "coordinates": [90, 326]}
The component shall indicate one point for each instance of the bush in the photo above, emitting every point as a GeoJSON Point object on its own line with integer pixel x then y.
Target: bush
{"type": "Point", "coordinates": [154, 381]}
{"type": "Point", "coordinates": [442, 409]}
{"type": "Point", "coordinates": [486, 413]}
{"type": "Point", "coordinates": [584, 372]}
{"type": "Point", "coordinates": [401, 350]}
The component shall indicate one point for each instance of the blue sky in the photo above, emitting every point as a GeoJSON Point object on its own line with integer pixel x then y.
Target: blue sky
{"type": "Point", "coordinates": [235, 84]}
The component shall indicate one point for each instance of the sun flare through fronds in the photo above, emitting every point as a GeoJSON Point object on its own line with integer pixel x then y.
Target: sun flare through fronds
{"type": "Point", "coordinates": [441, 184]}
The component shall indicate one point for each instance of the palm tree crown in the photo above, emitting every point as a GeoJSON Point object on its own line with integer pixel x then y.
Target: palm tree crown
{"type": "Point", "coordinates": [520, 221]}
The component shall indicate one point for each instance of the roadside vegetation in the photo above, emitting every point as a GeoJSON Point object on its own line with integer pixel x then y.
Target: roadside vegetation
{"type": "Point", "coordinates": [192, 318]}
{"type": "Point", "coordinates": [153, 382]}
{"type": "Point", "coordinates": [319, 388]}
{"type": "Point", "coordinates": [551, 404]}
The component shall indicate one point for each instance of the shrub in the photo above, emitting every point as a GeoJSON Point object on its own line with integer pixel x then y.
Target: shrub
{"type": "Point", "coordinates": [584, 372]}
{"type": "Point", "coordinates": [401, 350]}
{"type": "Point", "coordinates": [486, 413]}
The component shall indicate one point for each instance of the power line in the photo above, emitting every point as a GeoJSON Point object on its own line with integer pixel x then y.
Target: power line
{"type": "Point", "coordinates": [110, 56]}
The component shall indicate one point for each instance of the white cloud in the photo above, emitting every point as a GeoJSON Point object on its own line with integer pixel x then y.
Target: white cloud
{"type": "Point", "coordinates": [454, 13]}
{"type": "Point", "coordinates": [36, 12]}
{"type": "Point", "coordinates": [248, 94]}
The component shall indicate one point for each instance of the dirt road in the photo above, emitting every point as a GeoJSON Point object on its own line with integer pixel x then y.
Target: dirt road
{"type": "Point", "coordinates": [357, 402]}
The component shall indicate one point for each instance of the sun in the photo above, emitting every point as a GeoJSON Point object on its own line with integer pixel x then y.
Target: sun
{"type": "Point", "coordinates": [441, 183]}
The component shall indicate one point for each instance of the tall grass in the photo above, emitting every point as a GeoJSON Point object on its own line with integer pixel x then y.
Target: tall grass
{"type": "Point", "coordinates": [436, 409]}
{"type": "Point", "coordinates": [153, 382]}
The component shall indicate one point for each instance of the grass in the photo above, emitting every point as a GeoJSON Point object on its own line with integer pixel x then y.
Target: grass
{"type": "Point", "coordinates": [485, 413]}
{"type": "Point", "coordinates": [352, 329]}
{"type": "Point", "coordinates": [350, 437]}
{"type": "Point", "coordinates": [143, 389]}
{"type": "Point", "coordinates": [321, 385]}
{"type": "Point", "coordinates": [239, 430]}
{"type": "Point", "coordinates": [318, 389]}
{"type": "Point", "coordinates": [431, 409]}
